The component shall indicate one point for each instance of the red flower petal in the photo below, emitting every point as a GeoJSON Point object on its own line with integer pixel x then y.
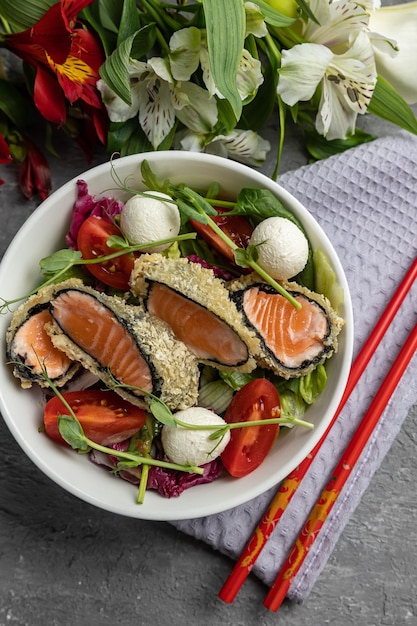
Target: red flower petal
{"type": "Point", "coordinates": [71, 8]}
{"type": "Point", "coordinates": [86, 46]}
{"type": "Point", "coordinates": [5, 156]}
{"type": "Point", "coordinates": [48, 97]}
{"type": "Point", "coordinates": [34, 173]}
{"type": "Point", "coordinates": [49, 36]}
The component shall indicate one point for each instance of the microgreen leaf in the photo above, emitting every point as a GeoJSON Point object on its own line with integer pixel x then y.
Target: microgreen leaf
{"type": "Point", "coordinates": [71, 430]}
{"type": "Point", "coordinates": [191, 213]}
{"type": "Point", "coordinates": [161, 412]}
{"type": "Point", "coordinates": [219, 433]}
{"type": "Point", "coordinates": [114, 241]}
{"type": "Point", "coordinates": [241, 258]}
{"type": "Point", "coordinates": [200, 203]}
{"type": "Point", "coordinates": [59, 260]}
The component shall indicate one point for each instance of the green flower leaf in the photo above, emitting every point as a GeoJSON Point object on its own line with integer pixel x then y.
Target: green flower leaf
{"type": "Point", "coordinates": [114, 70]}
{"type": "Point", "coordinates": [22, 14]}
{"type": "Point", "coordinates": [129, 21]}
{"type": "Point", "coordinates": [13, 104]}
{"type": "Point", "coordinates": [387, 103]}
{"type": "Point", "coordinates": [226, 25]}
{"type": "Point", "coordinates": [321, 148]}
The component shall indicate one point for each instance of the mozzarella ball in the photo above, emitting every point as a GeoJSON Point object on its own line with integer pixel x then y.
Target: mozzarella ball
{"type": "Point", "coordinates": [145, 219]}
{"type": "Point", "coordinates": [282, 247]}
{"type": "Point", "coordinates": [193, 447]}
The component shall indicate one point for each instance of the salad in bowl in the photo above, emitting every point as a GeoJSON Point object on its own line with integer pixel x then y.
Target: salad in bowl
{"type": "Point", "coordinates": [181, 322]}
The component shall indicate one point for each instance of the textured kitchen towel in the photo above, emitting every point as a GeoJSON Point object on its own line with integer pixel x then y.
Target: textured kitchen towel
{"type": "Point", "coordinates": [366, 201]}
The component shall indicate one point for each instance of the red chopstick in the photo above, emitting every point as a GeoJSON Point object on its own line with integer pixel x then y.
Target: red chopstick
{"type": "Point", "coordinates": [289, 486]}
{"type": "Point", "coordinates": [344, 468]}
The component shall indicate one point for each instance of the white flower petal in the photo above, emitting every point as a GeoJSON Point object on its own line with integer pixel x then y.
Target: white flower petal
{"type": "Point", "coordinates": [136, 69]}
{"type": "Point", "coordinates": [255, 23]}
{"type": "Point", "coordinates": [334, 29]}
{"type": "Point", "coordinates": [249, 76]}
{"type": "Point", "coordinates": [399, 23]}
{"type": "Point", "coordinates": [335, 120]}
{"type": "Point", "coordinates": [161, 68]}
{"type": "Point", "coordinates": [207, 74]}
{"type": "Point", "coordinates": [201, 114]}
{"type": "Point", "coordinates": [245, 146]}
{"type": "Point", "coordinates": [117, 109]}
{"type": "Point", "coordinates": [156, 113]}
{"type": "Point", "coordinates": [185, 52]}
{"type": "Point", "coordinates": [302, 68]}
{"type": "Point", "coordinates": [354, 73]}
{"type": "Point", "coordinates": [346, 89]}
{"type": "Point", "coordinates": [187, 140]}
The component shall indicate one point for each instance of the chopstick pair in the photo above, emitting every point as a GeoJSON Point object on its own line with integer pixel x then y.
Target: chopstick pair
{"type": "Point", "coordinates": [340, 474]}
{"type": "Point", "coordinates": [289, 486]}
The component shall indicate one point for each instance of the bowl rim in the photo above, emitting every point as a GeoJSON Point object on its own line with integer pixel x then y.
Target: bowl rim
{"type": "Point", "coordinates": [205, 506]}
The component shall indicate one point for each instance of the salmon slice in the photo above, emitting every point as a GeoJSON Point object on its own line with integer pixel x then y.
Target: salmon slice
{"type": "Point", "coordinates": [100, 333]}
{"type": "Point", "coordinates": [31, 350]}
{"type": "Point", "coordinates": [198, 307]}
{"type": "Point", "coordinates": [205, 334]}
{"type": "Point", "coordinates": [292, 342]}
{"type": "Point", "coordinates": [123, 342]}
{"type": "Point", "coordinates": [293, 335]}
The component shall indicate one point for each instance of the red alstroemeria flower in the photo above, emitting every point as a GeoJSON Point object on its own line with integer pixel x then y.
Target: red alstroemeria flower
{"type": "Point", "coordinates": [67, 59]}
{"type": "Point", "coordinates": [5, 156]}
{"type": "Point", "coordinates": [34, 173]}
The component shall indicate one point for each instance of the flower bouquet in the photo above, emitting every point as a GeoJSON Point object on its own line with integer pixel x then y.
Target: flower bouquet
{"type": "Point", "coordinates": [202, 75]}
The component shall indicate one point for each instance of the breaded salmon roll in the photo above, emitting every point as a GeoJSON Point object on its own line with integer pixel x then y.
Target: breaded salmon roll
{"type": "Point", "coordinates": [30, 349]}
{"type": "Point", "coordinates": [197, 307]}
{"type": "Point", "coordinates": [121, 343]}
{"type": "Point", "coordinates": [291, 342]}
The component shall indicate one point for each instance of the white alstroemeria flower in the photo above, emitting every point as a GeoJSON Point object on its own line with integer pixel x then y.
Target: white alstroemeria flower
{"type": "Point", "coordinates": [339, 57]}
{"type": "Point", "coordinates": [249, 76]}
{"type": "Point", "coordinates": [245, 146]}
{"type": "Point", "coordinates": [255, 23]}
{"type": "Point", "coordinates": [159, 99]}
{"type": "Point", "coordinates": [398, 22]}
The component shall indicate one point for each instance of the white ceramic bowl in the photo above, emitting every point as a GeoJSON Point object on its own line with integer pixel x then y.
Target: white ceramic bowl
{"type": "Point", "coordinates": [42, 234]}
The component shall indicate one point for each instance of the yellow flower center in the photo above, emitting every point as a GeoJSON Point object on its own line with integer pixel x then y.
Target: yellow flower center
{"type": "Point", "coordinates": [74, 69]}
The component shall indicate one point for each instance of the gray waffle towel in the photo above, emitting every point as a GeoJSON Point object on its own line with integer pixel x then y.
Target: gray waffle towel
{"type": "Point", "coordinates": [366, 201]}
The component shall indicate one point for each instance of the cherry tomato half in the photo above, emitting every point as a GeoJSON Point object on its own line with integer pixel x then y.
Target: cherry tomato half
{"type": "Point", "coordinates": [92, 243]}
{"type": "Point", "coordinates": [106, 418]}
{"type": "Point", "coordinates": [249, 445]}
{"type": "Point", "coordinates": [236, 227]}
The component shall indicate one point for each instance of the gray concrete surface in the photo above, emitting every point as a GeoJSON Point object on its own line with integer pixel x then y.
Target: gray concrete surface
{"type": "Point", "coordinates": [66, 563]}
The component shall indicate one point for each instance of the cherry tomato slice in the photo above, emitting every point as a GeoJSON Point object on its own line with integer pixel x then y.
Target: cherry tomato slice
{"type": "Point", "coordinates": [236, 227]}
{"type": "Point", "coordinates": [248, 446]}
{"type": "Point", "coordinates": [106, 418]}
{"type": "Point", "coordinates": [92, 243]}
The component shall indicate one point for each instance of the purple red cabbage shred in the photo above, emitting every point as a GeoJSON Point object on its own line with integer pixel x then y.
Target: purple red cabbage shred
{"type": "Point", "coordinates": [86, 205]}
